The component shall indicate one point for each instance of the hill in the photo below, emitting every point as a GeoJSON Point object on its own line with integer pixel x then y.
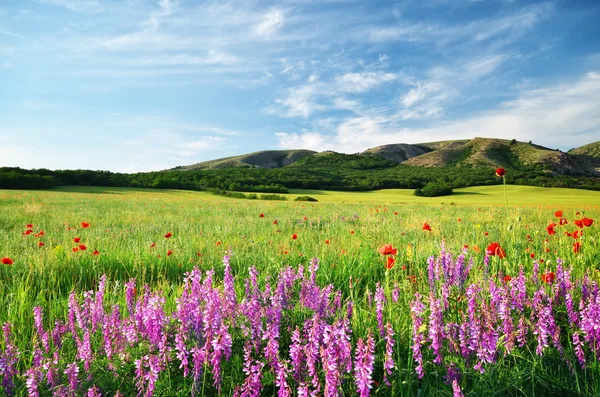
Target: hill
{"type": "Point", "coordinates": [262, 159]}
{"type": "Point", "coordinates": [458, 163]}
{"type": "Point", "coordinates": [488, 152]}
{"type": "Point", "coordinates": [398, 152]}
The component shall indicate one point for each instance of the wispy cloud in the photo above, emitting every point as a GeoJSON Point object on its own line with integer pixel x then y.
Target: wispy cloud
{"type": "Point", "coordinates": [568, 109]}
{"type": "Point", "coordinates": [83, 6]}
{"type": "Point", "coordinates": [273, 21]}
{"type": "Point", "coordinates": [316, 95]}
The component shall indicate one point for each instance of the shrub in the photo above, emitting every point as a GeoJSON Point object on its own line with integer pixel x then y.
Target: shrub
{"type": "Point", "coordinates": [272, 197]}
{"type": "Point", "coordinates": [306, 198]}
{"type": "Point", "coordinates": [434, 189]}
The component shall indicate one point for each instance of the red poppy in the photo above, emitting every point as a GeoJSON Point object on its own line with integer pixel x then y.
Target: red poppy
{"type": "Point", "coordinates": [426, 227]}
{"type": "Point", "coordinates": [550, 229]}
{"type": "Point", "coordinates": [327, 242]}
{"type": "Point", "coordinates": [218, 243]}
{"type": "Point", "coordinates": [6, 261]}
{"type": "Point", "coordinates": [75, 249]}
{"type": "Point", "coordinates": [29, 226]}
{"type": "Point", "coordinates": [486, 234]}
{"type": "Point", "coordinates": [578, 223]}
{"type": "Point", "coordinates": [305, 218]}
{"type": "Point", "coordinates": [169, 252]}
{"type": "Point", "coordinates": [168, 235]}
{"type": "Point", "coordinates": [387, 249]}
{"type": "Point", "coordinates": [153, 245]}
{"type": "Point", "coordinates": [587, 222]}
{"type": "Point", "coordinates": [351, 231]}
{"type": "Point", "coordinates": [294, 236]}
{"type": "Point", "coordinates": [41, 244]}
{"type": "Point", "coordinates": [507, 278]}
{"type": "Point", "coordinates": [495, 249]}
{"type": "Point", "coordinates": [532, 255]}
{"type": "Point", "coordinates": [500, 172]}
{"type": "Point", "coordinates": [395, 212]}
{"type": "Point", "coordinates": [85, 225]}
{"type": "Point", "coordinates": [77, 239]}
{"type": "Point", "coordinates": [82, 247]}
{"type": "Point", "coordinates": [563, 221]}
{"type": "Point", "coordinates": [275, 222]}
{"type": "Point", "coordinates": [577, 247]}
{"type": "Point", "coordinates": [96, 252]}
{"type": "Point", "coordinates": [548, 277]}
{"type": "Point", "coordinates": [389, 263]}
{"type": "Point", "coordinates": [41, 233]}
{"type": "Point", "coordinates": [199, 253]}
{"type": "Point", "coordinates": [27, 232]}
{"type": "Point", "coordinates": [261, 215]}
{"type": "Point", "coordinates": [558, 214]}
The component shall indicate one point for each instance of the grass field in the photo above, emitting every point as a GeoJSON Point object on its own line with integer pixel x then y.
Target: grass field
{"type": "Point", "coordinates": [519, 330]}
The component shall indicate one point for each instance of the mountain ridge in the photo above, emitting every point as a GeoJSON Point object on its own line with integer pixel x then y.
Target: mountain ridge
{"type": "Point", "coordinates": [476, 152]}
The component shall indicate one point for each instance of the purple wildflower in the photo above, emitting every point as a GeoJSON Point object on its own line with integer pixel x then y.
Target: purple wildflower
{"type": "Point", "coordinates": [363, 365]}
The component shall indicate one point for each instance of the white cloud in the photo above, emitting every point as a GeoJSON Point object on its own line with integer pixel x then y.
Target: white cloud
{"type": "Point", "coordinates": [545, 115]}
{"type": "Point", "coordinates": [363, 82]}
{"type": "Point", "coordinates": [273, 21]}
{"type": "Point", "coordinates": [507, 28]}
{"type": "Point", "coordinates": [300, 102]}
{"type": "Point", "coordinates": [427, 99]}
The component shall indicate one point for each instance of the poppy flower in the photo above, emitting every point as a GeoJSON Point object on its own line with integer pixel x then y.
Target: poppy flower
{"type": "Point", "coordinates": [6, 261]}
{"type": "Point", "coordinates": [395, 212]}
{"type": "Point", "coordinates": [563, 221]}
{"type": "Point", "coordinates": [578, 223]}
{"type": "Point", "coordinates": [153, 245]}
{"type": "Point", "coordinates": [388, 250]}
{"type": "Point", "coordinates": [426, 227]}
{"type": "Point", "coordinates": [29, 226]}
{"type": "Point", "coordinates": [486, 234]}
{"type": "Point", "coordinates": [27, 232]}
{"type": "Point", "coordinates": [327, 242]}
{"type": "Point", "coordinates": [495, 249]}
{"type": "Point", "coordinates": [577, 247]}
{"type": "Point", "coordinates": [550, 229]}
{"type": "Point", "coordinates": [389, 263]}
{"type": "Point", "coordinates": [351, 231]}
{"type": "Point", "coordinates": [41, 244]}
{"type": "Point", "coordinates": [558, 214]}
{"type": "Point", "coordinates": [548, 277]}
{"type": "Point", "coordinates": [199, 253]}
{"type": "Point", "coordinates": [294, 236]}
{"type": "Point", "coordinates": [169, 252]}
{"type": "Point", "coordinates": [275, 222]}
{"type": "Point", "coordinates": [96, 252]}
{"type": "Point", "coordinates": [41, 233]}
{"type": "Point", "coordinates": [507, 278]}
{"type": "Point", "coordinates": [75, 249]}
{"type": "Point", "coordinates": [532, 255]}
{"type": "Point", "coordinates": [587, 222]}
{"type": "Point", "coordinates": [77, 239]}
{"type": "Point", "coordinates": [169, 235]}
{"type": "Point", "coordinates": [85, 225]}
{"type": "Point", "coordinates": [261, 215]}
{"type": "Point", "coordinates": [218, 243]}
{"type": "Point", "coordinates": [82, 247]}
{"type": "Point", "coordinates": [500, 172]}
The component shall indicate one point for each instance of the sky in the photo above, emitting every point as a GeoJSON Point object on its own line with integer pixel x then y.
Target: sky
{"type": "Point", "coordinates": [143, 85]}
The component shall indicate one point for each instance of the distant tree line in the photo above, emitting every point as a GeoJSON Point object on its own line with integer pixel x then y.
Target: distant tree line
{"type": "Point", "coordinates": [326, 175]}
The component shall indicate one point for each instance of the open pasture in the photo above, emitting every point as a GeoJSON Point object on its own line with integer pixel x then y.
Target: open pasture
{"type": "Point", "coordinates": [441, 311]}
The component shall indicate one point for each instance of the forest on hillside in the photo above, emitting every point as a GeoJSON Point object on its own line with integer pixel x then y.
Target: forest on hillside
{"type": "Point", "coordinates": [353, 176]}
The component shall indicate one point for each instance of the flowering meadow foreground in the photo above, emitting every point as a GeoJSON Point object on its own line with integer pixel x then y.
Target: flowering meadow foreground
{"type": "Point", "coordinates": [170, 293]}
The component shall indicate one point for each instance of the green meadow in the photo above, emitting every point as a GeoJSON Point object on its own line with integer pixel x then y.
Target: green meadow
{"type": "Point", "coordinates": [127, 229]}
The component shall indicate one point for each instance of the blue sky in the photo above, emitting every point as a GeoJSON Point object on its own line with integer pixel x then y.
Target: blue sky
{"type": "Point", "coordinates": [132, 85]}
